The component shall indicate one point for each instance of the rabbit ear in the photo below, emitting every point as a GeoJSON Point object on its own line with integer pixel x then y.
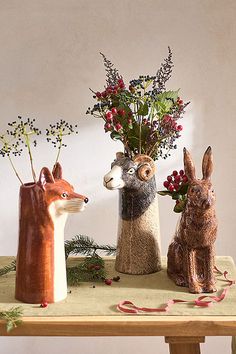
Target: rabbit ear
{"type": "Point", "coordinates": [207, 164]}
{"type": "Point", "coordinates": [189, 165]}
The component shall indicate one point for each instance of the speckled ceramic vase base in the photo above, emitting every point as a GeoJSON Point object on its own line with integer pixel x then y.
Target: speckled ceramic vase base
{"type": "Point", "coordinates": [138, 247]}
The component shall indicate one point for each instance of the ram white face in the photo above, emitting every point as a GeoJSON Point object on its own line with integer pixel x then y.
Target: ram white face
{"type": "Point", "coordinates": [113, 179]}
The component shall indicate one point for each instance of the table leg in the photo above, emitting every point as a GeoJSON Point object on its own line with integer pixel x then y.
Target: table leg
{"type": "Point", "coordinates": [184, 345]}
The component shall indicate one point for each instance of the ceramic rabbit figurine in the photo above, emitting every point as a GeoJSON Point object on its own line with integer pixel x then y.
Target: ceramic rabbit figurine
{"type": "Point", "coordinates": [191, 253]}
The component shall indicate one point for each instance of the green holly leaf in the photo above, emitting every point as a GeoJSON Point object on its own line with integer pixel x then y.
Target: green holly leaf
{"type": "Point", "coordinates": [175, 195]}
{"type": "Point", "coordinates": [183, 189]}
{"type": "Point", "coordinates": [143, 109]}
{"type": "Point", "coordinates": [115, 135]}
{"type": "Point", "coordinates": [178, 208]}
{"type": "Point", "coordinates": [163, 193]}
{"type": "Point", "coordinates": [168, 95]}
{"type": "Point", "coordinates": [168, 105]}
{"type": "Point", "coordinates": [163, 107]}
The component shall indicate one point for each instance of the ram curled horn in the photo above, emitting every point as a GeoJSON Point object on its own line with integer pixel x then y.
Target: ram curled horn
{"type": "Point", "coordinates": [146, 167]}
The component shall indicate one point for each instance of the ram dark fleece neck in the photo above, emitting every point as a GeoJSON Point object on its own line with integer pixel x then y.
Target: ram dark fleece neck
{"type": "Point", "coordinates": [134, 202]}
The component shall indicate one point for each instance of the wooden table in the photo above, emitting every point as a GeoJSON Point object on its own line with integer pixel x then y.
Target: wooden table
{"type": "Point", "coordinates": [183, 333]}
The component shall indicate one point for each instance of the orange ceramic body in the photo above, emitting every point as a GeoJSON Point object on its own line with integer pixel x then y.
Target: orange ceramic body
{"type": "Point", "coordinates": [41, 270]}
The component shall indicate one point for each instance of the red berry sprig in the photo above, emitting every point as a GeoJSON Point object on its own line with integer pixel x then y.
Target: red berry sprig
{"type": "Point", "coordinates": [175, 181]}
{"type": "Point", "coordinates": [117, 119]}
{"type": "Point", "coordinates": [111, 91]}
{"type": "Point", "coordinates": [176, 186]}
{"type": "Point", "coordinates": [170, 123]}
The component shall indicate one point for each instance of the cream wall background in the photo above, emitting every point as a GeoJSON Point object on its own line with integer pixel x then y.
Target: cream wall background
{"type": "Point", "coordinates": [50, 57]}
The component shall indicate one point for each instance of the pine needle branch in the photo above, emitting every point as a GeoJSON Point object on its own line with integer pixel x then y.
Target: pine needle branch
{"type": "Point", "coordinates": [84, 245]}
{"type": "Point", "coordinates": [91, 269]}
{"type": "Point", "coordinates": [12, 317]}
{"type": "Point", "coordinates": [11, 267]}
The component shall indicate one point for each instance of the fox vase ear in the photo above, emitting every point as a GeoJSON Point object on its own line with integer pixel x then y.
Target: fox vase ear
{"type": "Point", "coordinates": [44, 207]}
{"type": "Point", "coordinates": [45, 177]}
{"type": "Point", "coordinates": [57, 171]}
{"type": "Point", "coordinates": [138, 245]}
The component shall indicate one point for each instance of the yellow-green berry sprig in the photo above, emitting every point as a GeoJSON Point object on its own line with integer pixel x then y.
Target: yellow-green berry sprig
{"type": "Point", "coordinates": [56, 133]}
{"type": "Point", "coordinates": [19, 135]}
{"type": "Point", "coordinates": [22, 130]}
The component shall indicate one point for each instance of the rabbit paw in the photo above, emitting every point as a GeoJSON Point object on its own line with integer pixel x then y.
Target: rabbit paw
{"type": "Point", "coordinates": [195, 289]}
{"type": "Point", "coordinates": [210, 288]}
{"type": "Point", "coordinates": [180, 281]}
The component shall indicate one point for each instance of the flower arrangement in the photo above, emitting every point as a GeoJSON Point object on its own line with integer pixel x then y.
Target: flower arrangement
{"type": "Point", "coordinates": [176, 186]}
{"type": "Point", "coordinates": [22, 133]}
{"type": "Point", "coordinates": [144, 116]}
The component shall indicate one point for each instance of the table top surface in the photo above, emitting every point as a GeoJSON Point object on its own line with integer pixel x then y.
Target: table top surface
{"type": "Point", "coordinates": [90, 311]}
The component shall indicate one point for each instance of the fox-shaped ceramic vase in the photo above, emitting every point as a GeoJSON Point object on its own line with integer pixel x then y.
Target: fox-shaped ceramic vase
{"type": "Point", "coordinates": [44, 207]}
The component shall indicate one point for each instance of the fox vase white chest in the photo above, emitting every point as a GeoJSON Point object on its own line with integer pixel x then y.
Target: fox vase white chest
{"type": "Point", "coordinates": [44, 207]}
{"type": "Point", "coordinates": [138, 243]}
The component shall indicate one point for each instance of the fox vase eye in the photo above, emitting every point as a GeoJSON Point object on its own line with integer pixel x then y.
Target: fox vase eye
{"type": "Point", "coordinates": [41, 271]}
{"type": "Point", "coordinates": [139, 215]}
{"type": "Point", "coordinates": [65, 195]}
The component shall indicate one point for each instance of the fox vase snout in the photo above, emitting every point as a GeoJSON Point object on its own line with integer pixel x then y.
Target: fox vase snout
{"type": "Point", "coordinates": [138, 239]}
{"type": "Point", "coordinates": [41, 265]}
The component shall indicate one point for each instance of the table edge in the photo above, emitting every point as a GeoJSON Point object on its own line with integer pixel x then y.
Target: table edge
{"type": "Point", "coordinates": [124, 326]}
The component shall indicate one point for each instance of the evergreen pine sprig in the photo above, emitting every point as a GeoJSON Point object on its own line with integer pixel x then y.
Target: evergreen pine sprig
{"type": "Point", "coordinates": [11, 267]}
{"type": "Point", "coordinates": [12, 317]}
{"type": "Point", "coordinates": [84, 245]}
{"type": "Point", "coordinates": [92, 268]}
{"type": "Point", "coordinates": [112, 74]}
{"type": "Point", "coordinates": [56, 132]}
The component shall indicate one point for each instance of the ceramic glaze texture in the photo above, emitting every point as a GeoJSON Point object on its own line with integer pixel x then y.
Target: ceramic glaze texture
{"type": "Point", "coordinates": [44, 207]}
{"type": "Point", "coordinates": [191, 253]}
{"type": "Point", "coordinates": [138, 245]}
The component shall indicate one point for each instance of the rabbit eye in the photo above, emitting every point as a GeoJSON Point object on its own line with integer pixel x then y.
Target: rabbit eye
{"type": "Point", "coordinates": [64, 195]}
{"type": "Point", "coordinates": [131, 171]}
{"type": "Point", "coordinates": [195, 189]}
